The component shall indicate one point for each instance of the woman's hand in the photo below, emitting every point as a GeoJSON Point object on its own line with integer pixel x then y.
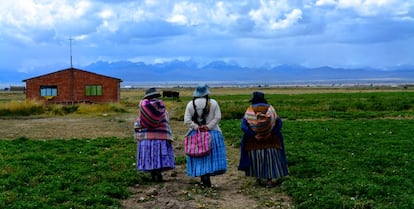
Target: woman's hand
{"type": "Point", "coordinates": [203, 128]}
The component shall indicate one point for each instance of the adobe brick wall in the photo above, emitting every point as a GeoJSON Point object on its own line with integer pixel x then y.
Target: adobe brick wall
{"type": "Point", "coordinates": [71, 86]}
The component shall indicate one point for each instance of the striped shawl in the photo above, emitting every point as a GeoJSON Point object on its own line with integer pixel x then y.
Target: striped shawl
{"type": "Point", "coordinates": [261, 119]}
{"type": "Point", "coordinates": [152, 122]}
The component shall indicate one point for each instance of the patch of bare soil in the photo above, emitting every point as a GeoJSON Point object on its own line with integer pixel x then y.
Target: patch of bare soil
{"type": "Point", "coordinates": [67, 127]}
{"type": "Point", "coordinates": [230, 191]}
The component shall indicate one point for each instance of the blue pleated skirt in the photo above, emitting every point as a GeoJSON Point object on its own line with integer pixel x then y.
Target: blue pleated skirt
{"type": "Point", "coordinates": [155, 155]}
{"type": "Point", "coordinates": [267, 163]}
{"type": "Point", "coordinates": [215, 163]}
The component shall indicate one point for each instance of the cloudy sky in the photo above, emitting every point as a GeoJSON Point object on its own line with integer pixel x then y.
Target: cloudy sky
{"type": "Point", "coordinates": [337, 33]}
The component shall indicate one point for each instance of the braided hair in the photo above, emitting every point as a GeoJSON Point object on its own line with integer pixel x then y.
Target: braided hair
{"type": "Point", "coordinates": [204, 114]}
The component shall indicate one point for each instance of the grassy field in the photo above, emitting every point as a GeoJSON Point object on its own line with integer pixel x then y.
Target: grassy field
{"type": "Point", "coordinates": [346, 148]}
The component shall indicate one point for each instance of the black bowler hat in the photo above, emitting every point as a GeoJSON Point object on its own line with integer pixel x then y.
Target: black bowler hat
{"type": "Point", "coordinates": [151, 93]}
{"type": "Point", "coordinates": [258, 97]}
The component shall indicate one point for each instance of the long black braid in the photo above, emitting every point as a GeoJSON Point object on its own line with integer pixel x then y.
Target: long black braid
{"type": "Point", "coordinates": [206, 110]}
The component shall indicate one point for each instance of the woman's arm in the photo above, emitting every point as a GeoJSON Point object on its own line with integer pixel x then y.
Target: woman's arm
{"type": "Point", "coordinates": [216, 114]}
{"type": "Point", "coordinates": [189, 112]}
{"type": "Point", "coordinates": [246, 129]}
{"type": "Point", "coordinates": [278, 125]}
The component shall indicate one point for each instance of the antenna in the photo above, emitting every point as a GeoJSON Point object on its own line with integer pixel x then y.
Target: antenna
{"type": "Point", "coordinates": [70, 41]}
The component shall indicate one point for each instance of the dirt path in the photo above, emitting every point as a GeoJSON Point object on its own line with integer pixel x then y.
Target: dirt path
{"type": "Point", "coordinates": [231, 190]}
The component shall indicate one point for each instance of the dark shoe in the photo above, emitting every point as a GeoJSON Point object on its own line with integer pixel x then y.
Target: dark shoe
{"type": "Point", "coordinates": [156, 176]}
{"type": "Point", "coordinates": [260, 182]}
{"type": "Point", "coordinates": [269, 183]}
{"type": "Point", "coordinates": [153, 176]}
{"type": "Point", "coordinates": [205, 181]}
{"type": "Point", "coordinates": [159, 177]}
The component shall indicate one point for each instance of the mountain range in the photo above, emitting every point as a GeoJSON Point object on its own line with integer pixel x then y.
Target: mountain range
{"type": "Point", "coordinates": [184, 72]}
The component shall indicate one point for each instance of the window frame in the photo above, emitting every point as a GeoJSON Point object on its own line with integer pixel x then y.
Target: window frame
{"type": "Point", "coordinates": [48, 90]}
{"type": "Point", "coordinates": [93, 90]}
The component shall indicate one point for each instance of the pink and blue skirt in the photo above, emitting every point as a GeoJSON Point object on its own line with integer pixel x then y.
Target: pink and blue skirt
{"type": "Point", "coordinates": [213, 164]}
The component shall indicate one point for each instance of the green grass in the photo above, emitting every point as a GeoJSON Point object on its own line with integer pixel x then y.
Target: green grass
{"type": "Point", "coordinates": [351, 164]}
{"type": "Point", "coordinates": [326, 105]}
{"type": "Point", "coordinates": [66, 173]}
{"type": "Point", "coordinates": [342, 152]}
{"type": "Point", "coordinates": [347, 163]}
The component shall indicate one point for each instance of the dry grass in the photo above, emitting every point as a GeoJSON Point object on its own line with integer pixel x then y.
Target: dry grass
{"type": "Point", "coordinates": [75, 126]}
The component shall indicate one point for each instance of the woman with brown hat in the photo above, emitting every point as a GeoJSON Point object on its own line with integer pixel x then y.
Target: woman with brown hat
{"type": "Point", "coordinates": [203, 113]}
{"type": "Point", "coordinates": [262, 148]}
{"type": "Point", "coordinates": [154, 138]}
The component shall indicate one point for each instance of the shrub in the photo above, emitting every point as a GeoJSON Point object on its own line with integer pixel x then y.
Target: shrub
{"type": "Point", "coordinates": [100, 108]}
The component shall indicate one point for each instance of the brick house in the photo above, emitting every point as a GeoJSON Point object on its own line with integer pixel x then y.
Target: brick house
{"type": "Point", "coordinates": [73, 85]}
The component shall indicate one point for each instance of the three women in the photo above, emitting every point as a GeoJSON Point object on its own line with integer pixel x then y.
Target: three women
{"type": "Point", "coordinates": [262, 148]}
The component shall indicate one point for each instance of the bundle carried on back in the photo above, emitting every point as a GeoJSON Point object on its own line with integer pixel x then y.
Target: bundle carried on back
{"type": "Point", "coordinates": [152, 113]}
{"type": "Point", "coordinates": [152, 122]}
{"type": "Point", "coordinates": [261, 119]}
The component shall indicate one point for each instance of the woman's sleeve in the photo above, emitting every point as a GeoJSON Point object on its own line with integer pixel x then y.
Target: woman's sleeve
{"type": "Point", "coordinates": [245, 128]}
{"type": "Point", "coordinates": [216, 115]}
{"type": "Point", "coordinates": [189, 112]}
{"type": "Point", "coordinates": [278, 125]}
{"type": "Point", "coordinates": [137, 124]}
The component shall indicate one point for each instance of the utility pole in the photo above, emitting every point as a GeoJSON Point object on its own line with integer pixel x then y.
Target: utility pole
{"type": "Point", "coordinates": [70, 41]}
{"type": "Point", "coordinates": [71, 72]}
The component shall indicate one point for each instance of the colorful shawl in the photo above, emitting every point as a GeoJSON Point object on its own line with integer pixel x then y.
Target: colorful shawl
{"type": "Point", "coordinates": [152, 113]}
{"type": "Point", "coordinates": [261, 119]}
{"type": "Point", "coordinates": [152, 122]}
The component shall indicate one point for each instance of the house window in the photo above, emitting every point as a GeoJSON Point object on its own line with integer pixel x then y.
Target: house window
{"type": "Point", "coordinates": [93, 90]}
{"type": "Point", "coordinates": [47, 91]}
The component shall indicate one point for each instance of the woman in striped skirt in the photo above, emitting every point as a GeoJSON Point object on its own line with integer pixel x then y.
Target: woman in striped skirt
{"type": "Point", "coordinates": [203, 113]}
{"type": "Point", "coordinates": [155, 152]}
{"type": "Point", "coordinates": [262, 148]}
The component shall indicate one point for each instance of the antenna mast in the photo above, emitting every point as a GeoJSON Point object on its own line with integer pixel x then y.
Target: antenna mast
{"type": "Point", "coordinates": [70, 41]}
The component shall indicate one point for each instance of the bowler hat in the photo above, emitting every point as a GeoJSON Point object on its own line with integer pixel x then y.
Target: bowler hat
{"type": "Point", "coordinates": [201, 90]}
{"type": "Point", "coordinates": [258, 97]}
{"type": "Point", "coordinates": [151, 93]}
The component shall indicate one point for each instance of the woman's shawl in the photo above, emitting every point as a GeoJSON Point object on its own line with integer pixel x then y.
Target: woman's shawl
{"type": "Point", "coordinates": [152, 113]}
{"type": "Point", "coordinates": [153, 121]}
{"type": "Point", "coordinates": [261, 119]}
{"type": "Point", "coordinates": [249, 142]}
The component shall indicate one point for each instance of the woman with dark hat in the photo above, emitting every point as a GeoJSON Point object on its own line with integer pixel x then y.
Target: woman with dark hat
{"type": "Point", "coordinates": [203, 113]}
{"type": "Point", "coordinates": [154, 138]}
{"type": "Point", "coordinates": [262, 148]}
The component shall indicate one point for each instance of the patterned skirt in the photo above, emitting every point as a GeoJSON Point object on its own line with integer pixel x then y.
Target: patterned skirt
{"type": "Point", "coordinates": [215, 163]}
{"type": "Point", "coordinates": [267, 163]}
{"type": "Point", "coordinates": [155, 155]}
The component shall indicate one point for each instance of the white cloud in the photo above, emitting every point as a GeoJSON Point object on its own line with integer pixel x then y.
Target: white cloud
{"type": "Point", "coordinates": [291, 18]}
{"type": "Point", "coordinates": [325, 2]}
{"type": "Point", "coordinates": [106, 14]}
{"type": "Point", "coordinates": [26, 19]}
{"type": "Point", "coordinates": [275, 15]}
{"type": "Point", "coordinates": [245, 30]}
{"type": "Point", "coordinates": [221, 14]}
{"type": "Point", "coordinates": [376, 7]}
{"type": "Point", "coordinates": [185, 13]}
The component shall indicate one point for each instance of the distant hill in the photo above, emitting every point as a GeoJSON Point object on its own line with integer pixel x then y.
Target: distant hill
{"type": "Point", "coordinates": [219, 71]}
{"type": "Point", "coordinates": [134, 73]}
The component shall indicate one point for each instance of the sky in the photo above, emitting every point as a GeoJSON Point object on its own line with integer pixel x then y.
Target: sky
{"type": "Point", "coordinates": [312, 33]}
